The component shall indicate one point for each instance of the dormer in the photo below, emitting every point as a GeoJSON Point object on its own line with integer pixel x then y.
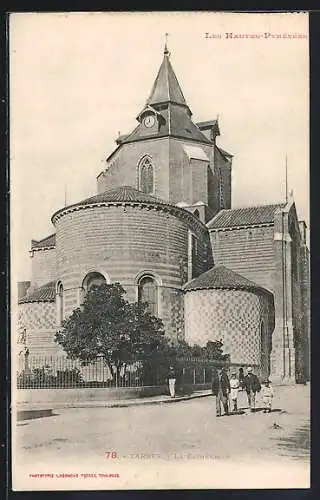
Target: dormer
{"type": "Point", "coordinates": [210, 129]}
{"type": "Point", "coordinates": [151, 120]}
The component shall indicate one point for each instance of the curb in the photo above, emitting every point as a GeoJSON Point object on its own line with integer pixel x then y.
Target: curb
{"type": "Point", "coordinates": [165, 401]}
{"type": "Point", "coordinates": [122, 404]}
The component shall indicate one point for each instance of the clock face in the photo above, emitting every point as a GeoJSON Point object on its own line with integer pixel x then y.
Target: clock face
{"type": "Point", "coordinates": [149, 121]}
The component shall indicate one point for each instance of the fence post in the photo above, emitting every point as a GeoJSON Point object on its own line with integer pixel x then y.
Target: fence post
{"type": "Point", "coordinates": [26, 360]}
{"type": "Point", "coordinates": [204, 375]}
{"type": "Point", "coordinates": [194, 375]}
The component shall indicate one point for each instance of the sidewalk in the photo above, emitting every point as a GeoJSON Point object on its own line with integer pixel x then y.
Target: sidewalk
{"type": "Point", "coordinates": [35, 409]}
{"type": "Point", "coordinates": [123, 403]}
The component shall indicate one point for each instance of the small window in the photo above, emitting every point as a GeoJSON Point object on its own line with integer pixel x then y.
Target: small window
{"type": "Point", "coordinates": [60, 303]}
{"type": "Point", "coordinates": [192, 256]}
{"type": "Point", "coordinates": [194, 253]}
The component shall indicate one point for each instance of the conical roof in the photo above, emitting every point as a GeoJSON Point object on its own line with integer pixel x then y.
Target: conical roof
{"type": "Point", "coordinates": [166, 87]}
{"type": "Point", "coordinates": [124, 194]}
{"type": "Point", "coordinates": [167, 101]}
{"type": "Point", "coordinates": [121, 194]}
{"type": "Point", "coordinates": [220, 277]}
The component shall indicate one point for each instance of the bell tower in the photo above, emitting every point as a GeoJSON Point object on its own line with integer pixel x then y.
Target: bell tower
{"type": "Point", "coordinates": [178, 157]}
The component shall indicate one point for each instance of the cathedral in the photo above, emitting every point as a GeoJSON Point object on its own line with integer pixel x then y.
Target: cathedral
{"type": "Point", "coordinates": [162, 224]}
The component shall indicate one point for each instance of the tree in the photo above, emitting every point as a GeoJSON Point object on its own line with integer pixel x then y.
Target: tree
{"type": "Point", "coordinates": [111, 327]}
{"type": "Point", "coordinates": [214, 350]}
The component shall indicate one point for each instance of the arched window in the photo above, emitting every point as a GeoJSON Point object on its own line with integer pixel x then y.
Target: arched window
{"type": "Point", "coordinates": [93, 279]}
{"type": "Point", "coordinates": [192, 256]}
{"type": "Point", "coordinates": [148, 292]}
{"type": "Point", "coordinates": [146, 175]}
{"type": "Point", "coordinates": [60, 303]}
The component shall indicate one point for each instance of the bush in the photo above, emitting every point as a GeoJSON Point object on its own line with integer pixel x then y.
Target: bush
{"type": "Point", "coordinates": [41, 378]}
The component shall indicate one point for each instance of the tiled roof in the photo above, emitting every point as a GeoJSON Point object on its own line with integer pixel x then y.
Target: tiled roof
{"type": "Point", "coordinates": [45, 293]}
{"type": "Point", "coordinates": [181, 125]}
{"type": "Point", "coordinates": [122, 194]}
{"type": "Point", "coordinates": [129, 195]}
{"type": "Point", "coordinates": [220, 277]}
{"type": "Point", "coordinates": [23, 287]}
{"type": "Point", "coordinates": [49, 241]}
{"type": "Point", "coordinates": [249, 216]}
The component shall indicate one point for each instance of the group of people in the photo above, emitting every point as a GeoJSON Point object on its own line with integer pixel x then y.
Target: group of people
{"type": "Point", "coordinates": [226, 391]}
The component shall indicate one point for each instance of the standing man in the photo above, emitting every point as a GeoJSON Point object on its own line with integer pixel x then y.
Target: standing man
{"type": "Point", "coordinates": [252, 386]}
{"type": "Point", "coordinates": [172, 382]}
{"type": "Point", "coordinates": [221, 389]}
{"type": "Point", "coordinates": [241, 378]}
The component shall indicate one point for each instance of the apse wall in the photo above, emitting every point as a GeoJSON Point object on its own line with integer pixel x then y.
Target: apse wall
{"type": "Point", "coordinates": [242, 319]}
{"type": "Point", "coordinates": [125, 242]}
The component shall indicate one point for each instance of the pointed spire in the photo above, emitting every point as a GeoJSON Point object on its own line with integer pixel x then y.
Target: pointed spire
{"type": "Point", "coordinates": [166, 87]}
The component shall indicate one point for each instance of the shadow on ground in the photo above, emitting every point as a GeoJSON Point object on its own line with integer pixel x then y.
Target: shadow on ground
{"type": "Point", "coordinates": [274, 410]}
{"type": "Point", "coordinates": [257, 410]}
{"type": "Point", "coordinates": [242, 411]}
{"type": "Point", "coordinates": [297, 445]}
{"type": "Point", "coordinates": [32, 414]}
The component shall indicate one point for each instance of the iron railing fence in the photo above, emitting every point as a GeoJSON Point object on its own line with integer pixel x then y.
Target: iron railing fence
{"type": "Point", "coordinates": [45, 372]}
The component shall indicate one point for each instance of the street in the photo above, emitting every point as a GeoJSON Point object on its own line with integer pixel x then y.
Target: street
{"type": "Point", "coordinates": [169, 435]}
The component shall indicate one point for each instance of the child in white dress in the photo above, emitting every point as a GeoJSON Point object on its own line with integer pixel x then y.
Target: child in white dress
{"type": "Point", "coordinates": [234, 389]}
{"type": "Point", "coordinates": [267, 396]}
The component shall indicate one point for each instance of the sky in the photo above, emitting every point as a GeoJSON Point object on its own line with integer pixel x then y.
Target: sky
{"type": "Point", "coordinates": [78, 79]}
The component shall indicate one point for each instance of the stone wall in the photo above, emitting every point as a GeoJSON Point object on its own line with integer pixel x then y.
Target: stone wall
{"type": "Point", "coordinates": [176, 177]}
{"type": "Point", "coordinates": [43, 267]}
{"type": "Point", "coordinates": [247, 251]}
{"type": "Point", "coordinates": [188, 177]}
{"type": "Point", "coordinates": [58, 398]}
{"type": "Point", "coordinates": [39, 320]}
{"type": "Point", "coordinates": [123, 166]}
{"type": "Point", "coordinates": [224, 179]}
{"type": "Point", "coordinates": [304, 348]}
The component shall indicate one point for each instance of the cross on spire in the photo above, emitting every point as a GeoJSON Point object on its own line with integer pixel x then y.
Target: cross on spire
{"type": "Point", "coordinates": [166, 51]}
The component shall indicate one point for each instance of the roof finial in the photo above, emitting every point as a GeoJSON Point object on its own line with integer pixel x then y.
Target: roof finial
{"type": "Point", "coordinates": [65, 195]}
{"type": "Point", "coordinates": [166, 51]}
